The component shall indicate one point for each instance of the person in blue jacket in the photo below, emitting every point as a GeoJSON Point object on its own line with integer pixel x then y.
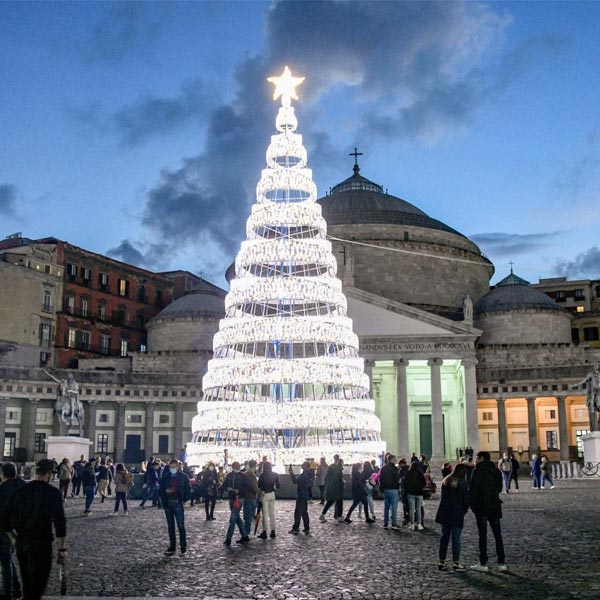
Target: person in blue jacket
{"type": "Point", "coordinates": [453, 507]}
{"type": "Point", "coordinates": [174, 492]}
{"type": "Point", "coordinates": [302, 496]}
{"type": "Point", "coordinates": [536, 472]}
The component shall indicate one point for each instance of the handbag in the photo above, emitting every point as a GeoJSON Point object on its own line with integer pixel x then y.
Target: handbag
{"type": "Point", "coordinates": [237, 504]}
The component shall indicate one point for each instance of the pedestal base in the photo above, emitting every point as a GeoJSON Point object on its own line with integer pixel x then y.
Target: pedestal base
{"type": "Point", "coordinates": [591, 447]}
{"type": "Point", "coordinates": [61, 446]}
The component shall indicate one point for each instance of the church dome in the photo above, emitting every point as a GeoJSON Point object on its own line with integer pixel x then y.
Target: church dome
{"type": "Point", "coordinates": [386, 245]}
{"type": "Point", "coordinates": [358, 200]}
{"type": "Point", "coordinates": [516, 313]}
{"type": "Point", "coordinates": [189, 323]}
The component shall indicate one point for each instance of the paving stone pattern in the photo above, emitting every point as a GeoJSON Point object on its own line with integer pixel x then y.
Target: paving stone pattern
{"type": "Point", "coordinates": [552, 540]}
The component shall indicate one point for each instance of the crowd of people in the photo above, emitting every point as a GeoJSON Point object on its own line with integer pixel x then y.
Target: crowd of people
{"type": "Point", "coordinates": [32, 514]}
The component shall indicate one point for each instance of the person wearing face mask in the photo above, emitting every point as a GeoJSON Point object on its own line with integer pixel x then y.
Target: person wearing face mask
{"type": "Point", "coordinates": [174, 492]}
{"type": "Point", "coordinates": [210, 484]}
{"type": "Point", "coordinates": [234, 485]}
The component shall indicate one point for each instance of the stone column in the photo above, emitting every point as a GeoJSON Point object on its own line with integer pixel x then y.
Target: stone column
{"type": "Point", "coordinates": [532, 422]}
{"type": "Point", "coordinates": [502, 431]}
{"type": "Point", "coordinates": [437, 422]}
{"type": "Point", "coordinates": [2, 426]}
{"type": "Point", "coordinates": [369, 364]}
{"type": "Point", "coordinates": [178, 436]}
{"type": "Point", "coordinates": [149, 434]}
{"type": "Point", "coordinates": [402, 407]}
{"type": "Point", "coordinates": [90, 424]}
{"type": "Point", "coordinates": [563, 431]}
{"type": "Point", "coordinates": [120, 432]}
{"type": "Point", "coordinates": [469, 364]}
{"type": "Point", "coordinates": [30, 437]}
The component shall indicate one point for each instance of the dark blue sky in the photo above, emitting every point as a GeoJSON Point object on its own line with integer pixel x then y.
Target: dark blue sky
{"type": "Point", "coordinates": [139, 129]}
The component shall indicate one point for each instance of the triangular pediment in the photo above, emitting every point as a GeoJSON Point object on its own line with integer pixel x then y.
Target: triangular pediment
{"type": "Point", "coordinates": [373, 315]}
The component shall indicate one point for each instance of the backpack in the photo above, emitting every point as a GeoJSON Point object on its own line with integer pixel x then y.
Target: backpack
{"type": "Point", "coordinates": [505, 465]}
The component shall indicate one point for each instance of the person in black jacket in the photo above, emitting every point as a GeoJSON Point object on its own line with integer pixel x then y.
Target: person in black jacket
{"type": "Point", "coordinates": [389, 482]}
{"type": "Point", "coordinates": [414, 483]}
{"type": "Point", "coordinates": [88, 482]}
{"type": "Point", "coordinates": [174, 493]}
{"type": "Point", "coordinates": [302, 482]}
{"type": "Point", "coordinates": [359, 492]}
{"type": "Point", "coordinates": [30, 515]}
{"type": "Point", "coordinates": [210, 483]}
{"type": "Point", "coordinates": [234, 486]}
{"type": "Point", "coordinates": [484, 496]}
{"type": "Point", "coordinates": [453, 507]}
{"type": "Point", "coordinates": [10, 483]}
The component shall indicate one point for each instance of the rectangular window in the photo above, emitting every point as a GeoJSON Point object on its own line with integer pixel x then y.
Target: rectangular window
{"type": "Point", "coordinates": [103, 418]}
{"type": "Point", "coordinates": [123, 287]}
{"type": "Point", "coordinates": [47, 300]}
{"type": "Point", "coordinates": [86, 275]}
{"type": "Point", "coordinates": [71, 271]}
{"type": "Point", "coordinates": [163, 444]}
{"type": "Point", "coordinates": [134, 419]}
{"type": "Point", "coordinates": [141, 293]}
{"type": "Point", "coordinates": [578, 434]}
{"type": "Point", "coordinates": [560, 296]}
{"type": "Point", "coordinates": [71, 305]}
{"type": "Point", "coordinates": [105, 344]}
{"type": "Point", "coordinates": [575, 335]}
{"type": "Point", "coordinates": [85, 307]}
{"type": "Point", "coordinates": [44, 358]}
{"type": "Point", "coordinates": [102, 311]}
{"type": "Point", "coordinates": [84, 340]}
{"type": "Point", "coordinates": [551, 440]}
{"type": "Point", "coordinates": [40, 442]}
{"type": "Point", "coordinates": [71, 338]}
{"type": "Point", "coordinates": [141, 321]}
{"type": "Point", "coordinates": [45, 334]}
{"type": "Point", "coordinates": [580, 309]}
{"type": "Point", "coordinates": [487, 416]}
{"type": "Point", "coordinates": [579, 294]}
{"type": "Point", "coordinates": [550, 414]}
{"type": "Point", "coordinates": [159, 298]}
{"type": "Point", "coordinates": [102, 443]}
{"type": "Point", "coordinates": [590, 334]}
{"type": "Point", "coordinates": [123, 348]}
{"type": "Point", "coordinates": [163, 419]}
{"type": "Point", "coordinates": [103, 281]}
{"type": "Point", "coordinates": [10, 441]}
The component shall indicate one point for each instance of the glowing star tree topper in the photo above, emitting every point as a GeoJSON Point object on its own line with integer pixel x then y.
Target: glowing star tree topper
{"type": "Point", "coordinates": [285, 380]}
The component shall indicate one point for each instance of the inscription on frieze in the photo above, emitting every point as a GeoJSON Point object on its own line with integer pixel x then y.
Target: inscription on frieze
{"type": "Point", "coordinates": [376, 347]}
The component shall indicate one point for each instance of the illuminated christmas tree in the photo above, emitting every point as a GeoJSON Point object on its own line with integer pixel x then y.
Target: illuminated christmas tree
{"type": "Point", "coordinates": [286, 380]}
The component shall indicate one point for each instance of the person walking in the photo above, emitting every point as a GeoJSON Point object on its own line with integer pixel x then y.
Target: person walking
{"type": "Point", "coordinates": [484, 498]}
{"type": "Point", "coordinates": [77, 468]}
{"type": "Point", "coordinates": [250, 496]}
{"type": "Point", "coordinates": [505, 466]}
{"type": "Point", "coordinates": [65, 475]}
{"type": "Point", "coordinates": [302, 482]}
{"type": "Point", "coordinates": [536, 472]}
{"type": "Point", "coordinates": [233, 485]}
{"type": "Point", "coordinates": [9, 484]}
{"type": "Point", "coordinates": [389, 482]}
{"type": "Point", "coordinates": [102, 477]}
{"type": "Point", "coordinates": [320, 478]}
{"type": "Point", "coordinates": [30, 515]}
{"type": "Point", "coordinates": [151, 483]}
{"type": "Point", "coordinates": [210, 483]}
{"type": "Point", "coordinates": [546, 470]}
{"type": "Point", "coordinates": [359, 492]}
{"type": "Point", "coordinates": [174, 491]}
{"type": "Point", "coordinates": [88, 483]}
{"type": "Point", "coordinates": [451, 512]}
{"type": "Point", "coordinates": [268, 482]}
{"type": "Point", "coordinates": [371, 481]}
{"type": "Point", "coordinates": [123, 483]}
{"type": "Point", "coordinates": [514, 473]}
{"type": "Point", "coordinates": [414, 483]}
{"type": "Point", "coordinates": [334, 490]}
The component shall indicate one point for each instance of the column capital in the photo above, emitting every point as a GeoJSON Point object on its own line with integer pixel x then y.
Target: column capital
{"type": "Point", "coordinates": [561, 398]}
{"type": "Point", "coordinates": [437, 362]}
{"type": "Point", "coordinates": [500, 400]}
{"type": "Point", "coordinates": [369, 362]}
{"type": "Point", "coordinates": [93, 402]}
{"type": "Point", "coordinates": [531, 399]}
{"type": "Point", "coordinates": [33, 401]}
{"type": "Point", "coordinates": [401, 362]}
{"type": "Point", "coordinates": [469, 361]}
{"type": "Point", "coordinates": [121, 404]}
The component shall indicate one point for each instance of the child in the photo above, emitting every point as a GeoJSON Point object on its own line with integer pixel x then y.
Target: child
{"type": "Point", "coordinates": [302, 496]}
{"type": "Point", "coordinates": [454, 504]}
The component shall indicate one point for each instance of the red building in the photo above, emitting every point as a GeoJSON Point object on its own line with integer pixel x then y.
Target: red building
{"type": "Point", "coordinates": [105, 305]}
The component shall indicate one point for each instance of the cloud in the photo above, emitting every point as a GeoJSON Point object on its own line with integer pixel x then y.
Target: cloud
{"type": "Point", "coordinates": [586, 264]}
{"type": "Point", "coordinates": [575, 177]}
{"type": "Point", "coordinates": [8, 195]}
{"type": "Point", "coordinates": [156, 116]}
{"type": "Point", "coordinates": [127, 252]}
{"type": "Point", "coordinates": [124, 28]}
{"type": "Point", "coordinates": [142, 254]}
{"type": "Point", "coordinates": [511, 244]}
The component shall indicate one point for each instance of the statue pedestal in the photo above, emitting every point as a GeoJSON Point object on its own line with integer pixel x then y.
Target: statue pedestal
{"type": "Point", "coordinates": [61, 446]}
{"type": "Point", "coordinates": [591, 447]}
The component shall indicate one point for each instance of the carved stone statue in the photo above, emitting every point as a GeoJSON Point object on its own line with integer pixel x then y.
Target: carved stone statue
{"type": "Point", "coordinates": [68, 407]}
{"type": "Point", "coordinates": [592, 387]}
{"type": "Point", "coordinates": [468, 309]}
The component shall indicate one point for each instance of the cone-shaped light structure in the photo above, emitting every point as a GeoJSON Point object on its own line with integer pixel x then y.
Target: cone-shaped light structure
{"type": "Point", "coordinates": [286, 380]}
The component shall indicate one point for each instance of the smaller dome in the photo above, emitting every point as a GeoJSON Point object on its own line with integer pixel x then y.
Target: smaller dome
{"type": "Point", "coordinates": [515, 293]}
{"type": "Point", "coordinates": [196, 303]}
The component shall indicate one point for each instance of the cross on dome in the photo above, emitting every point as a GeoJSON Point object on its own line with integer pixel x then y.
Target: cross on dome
{"type": "Point", "coordinates": [285, 86]}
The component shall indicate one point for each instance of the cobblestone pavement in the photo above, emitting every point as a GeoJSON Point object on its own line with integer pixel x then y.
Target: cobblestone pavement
{"type": "Point", "coordinates": [552, 540]}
